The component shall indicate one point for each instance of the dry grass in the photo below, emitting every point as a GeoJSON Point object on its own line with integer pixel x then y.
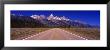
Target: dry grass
{"type": "Point", "coordinates": [90, 33]}
{"type": "Point", "coordinates": [25, 32]}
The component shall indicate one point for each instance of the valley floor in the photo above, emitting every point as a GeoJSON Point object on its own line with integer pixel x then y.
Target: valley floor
{"type": "Point", "coordinates": [55, 34]}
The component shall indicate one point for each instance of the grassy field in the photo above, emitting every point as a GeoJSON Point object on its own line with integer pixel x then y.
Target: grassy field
{"type": "Point", "coordinates": [21, 33]}
{"type": "Point", "coordinates": [90, 33]}
{"type": "Point", "coordinates": [25, 32]}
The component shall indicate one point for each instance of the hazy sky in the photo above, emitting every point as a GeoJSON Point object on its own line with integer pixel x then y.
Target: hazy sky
{"type": "Point", "coordinates": [88, 16]}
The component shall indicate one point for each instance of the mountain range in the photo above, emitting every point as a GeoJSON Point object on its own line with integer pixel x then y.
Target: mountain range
{"type": "Point", "coordinates": [42, 21]}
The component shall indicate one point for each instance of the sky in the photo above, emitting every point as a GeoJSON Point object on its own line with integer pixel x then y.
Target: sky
{"type": "Point", "coordinates": [88, 16]}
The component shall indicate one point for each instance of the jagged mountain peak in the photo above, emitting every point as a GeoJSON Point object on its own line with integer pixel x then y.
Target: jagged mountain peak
{"type": "Point", "coordinates": [51, 14]}
{"type": "Point", "coordinates": [51, 17]}
{"type": "Point", "coordinates": [48, 21]}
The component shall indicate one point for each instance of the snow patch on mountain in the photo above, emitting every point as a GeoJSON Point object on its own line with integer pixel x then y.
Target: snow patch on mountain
{"type": "Point", "coordinates": [51, 17]}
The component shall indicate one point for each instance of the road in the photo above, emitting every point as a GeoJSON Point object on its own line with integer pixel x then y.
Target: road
{"type": "Point", "coordinates": [55, 34]}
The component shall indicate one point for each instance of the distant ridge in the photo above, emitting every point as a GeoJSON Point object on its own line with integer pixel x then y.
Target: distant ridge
{"type": "Point", "coordinates": [51, 21]}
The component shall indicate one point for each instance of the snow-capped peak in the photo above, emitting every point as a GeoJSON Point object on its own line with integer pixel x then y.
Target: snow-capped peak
{"type": "Point", "coordinates": [51, 17]}
{"type": "Point", "coordinates": [13, 14]}
{"type": "Point", "coordinates": [51, 14]}
{"type": "Point", "coordinates": [37, 17]}
{"type": "Point", "coordinates": [79, 21]}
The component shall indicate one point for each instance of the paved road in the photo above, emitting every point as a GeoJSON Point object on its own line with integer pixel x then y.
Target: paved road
{"type": "Point", "coordinates": [55, 34]}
